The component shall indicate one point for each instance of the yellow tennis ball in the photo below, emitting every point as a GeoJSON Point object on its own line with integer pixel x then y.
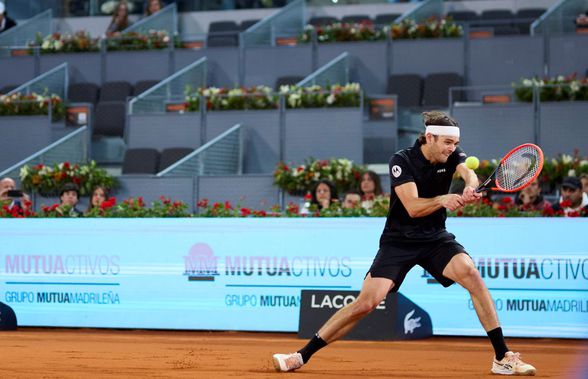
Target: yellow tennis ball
{"type": "Point", "coordinates": [472, 163]}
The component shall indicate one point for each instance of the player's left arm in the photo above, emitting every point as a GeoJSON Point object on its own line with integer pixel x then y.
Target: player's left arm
{"type": "Point", "coordinates": [471, 183]}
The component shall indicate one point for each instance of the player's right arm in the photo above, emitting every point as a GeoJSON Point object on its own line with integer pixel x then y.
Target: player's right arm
{"type": "Point", "coordinates": [419, 207]}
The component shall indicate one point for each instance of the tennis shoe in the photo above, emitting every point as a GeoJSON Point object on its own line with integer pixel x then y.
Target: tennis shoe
{"type": "Point", "coordinates": [512, 364]}
{"type": "Point", "coordinates": [287, 362]}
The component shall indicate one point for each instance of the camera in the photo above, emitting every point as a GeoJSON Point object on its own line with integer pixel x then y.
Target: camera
{"type": "Point", "coordinates": [15, 194]}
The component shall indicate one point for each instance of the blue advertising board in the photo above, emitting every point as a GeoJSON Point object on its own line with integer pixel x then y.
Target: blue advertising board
{"type": "Point", "coordinates": [247, 274]}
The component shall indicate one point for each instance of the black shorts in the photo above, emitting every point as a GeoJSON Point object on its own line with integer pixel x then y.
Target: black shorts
{"type": "Point", "coordinates": [394, 260]}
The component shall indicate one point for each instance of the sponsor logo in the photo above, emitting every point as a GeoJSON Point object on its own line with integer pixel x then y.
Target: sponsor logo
{"type": "Point", "coordinates": [396, 171]}
{"type": "Point", "coordinates": [337, 302]}
{"type": "Point", "coordinates": [410, 324]}
{"type": "Point", "coordinates": [441, 170]}
{"type": "Point", "coordinates": [201, 264]}
{"type": "Point", "coordinates": [35, 264]}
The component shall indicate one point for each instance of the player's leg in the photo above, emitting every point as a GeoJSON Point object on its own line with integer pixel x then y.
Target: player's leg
{"type": "Point", "coordinates": [373, 291]}
{"type": "Point", "coordinates": [461, 269]}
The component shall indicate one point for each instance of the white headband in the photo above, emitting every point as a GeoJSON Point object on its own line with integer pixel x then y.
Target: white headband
{"type": "Point", "coordinates": [442, 130]}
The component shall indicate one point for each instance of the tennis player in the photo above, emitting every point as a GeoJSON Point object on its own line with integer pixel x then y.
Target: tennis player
{"type": "Point", "coordinates": [414, 234]}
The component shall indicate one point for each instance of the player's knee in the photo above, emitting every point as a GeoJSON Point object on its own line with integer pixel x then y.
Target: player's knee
{"type": "Point", "coordinates": [470, 278]}
{"type": "Point", "coordinates": [363, 306]}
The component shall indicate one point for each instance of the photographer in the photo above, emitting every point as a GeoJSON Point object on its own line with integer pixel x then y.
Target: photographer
{"type": "Point", "coordinates": [13, 197]}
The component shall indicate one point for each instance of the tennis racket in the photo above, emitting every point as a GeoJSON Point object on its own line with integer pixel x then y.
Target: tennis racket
{"type": "Point", "coordinates": [516, 170]}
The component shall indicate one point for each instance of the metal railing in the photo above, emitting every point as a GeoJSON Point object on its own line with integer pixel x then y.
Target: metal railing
{"type": "Point", "coordinates": [53, 82]}
{"type": "Point", "coordinates": [220, 156]}
{"type": "Point", "coordinates": [173, 88]}
{"type": "Point", "coordinates": [166, 19]}
{"type": "Point", "coordinates": [424, 11]}
{"type": "Point", "coordinates": [26, 31]}
{"type": "Point", "coordinates": [560, 18]}
{"type": "Point", "coordinates": [72, 148]}
{"type": "Point", "coordinates": [288, 22]}
{"type": "Point", "coordinates": [334, 72]}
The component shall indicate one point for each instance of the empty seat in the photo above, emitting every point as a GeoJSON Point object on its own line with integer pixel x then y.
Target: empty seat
{"type": "Point", "coordinates": [436, 88]}
{"type": "Point", "coordinates": [110, 118]}
{"type": "Point", "coordinates": [463, 16]}
{"type": "Point", "coordinates": [83, 93]}
{"type": "Point", "coordinates": [287, 81]}
{"type": "Point", "coordinates": [356, 19]}
{"type": "Point", "coordinates": [143, 85]}
{"type": "Point", "coordinates": [140, 161]}
{"type": "Point", "coordinates": [386, 18]}
{"type": "Point", "coordinates": [4, 90]}
{"type": "Point", "coordinates": [246, 24]}
{"type": "Point", "coordinates": [525, 17]}
{"type": "Point", "coordinates": [322, 20]}
{"type": "Point", "coordinates": [408, 88]}
{"type": "Point", "coordinates": [500, 20]}
{"type": "Point", "coordinates": [223, 33]}
{"type": "Point", "coordinates": [115, 91]}
{"type": "Point", "coordinates": [496, 15]}
{"type": "Point", "coordinates": [172, 155]}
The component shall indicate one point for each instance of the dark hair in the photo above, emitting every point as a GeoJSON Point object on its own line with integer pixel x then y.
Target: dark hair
{"type": "Point", "coordinates": [70, 187]}
{"type": "Point", "coordinates": [435, 118]}
{"type": "Point", "coordinates": [147, 3]}
{"type": "Point", "coordinates": [125, 22]}
{"type": "Point", "coordinates": [106, 195]}
{"type": "Point", "coordinates": [331, 187]}
{"type": "Point", "coordinates": [377, 184]}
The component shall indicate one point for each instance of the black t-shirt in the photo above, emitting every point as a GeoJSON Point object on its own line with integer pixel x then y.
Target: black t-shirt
{"type": "Point", "coordinates": [410, 165]}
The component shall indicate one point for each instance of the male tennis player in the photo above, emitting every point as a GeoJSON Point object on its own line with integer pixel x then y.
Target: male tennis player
{"type": "Point", "coordinates": [414, 234]}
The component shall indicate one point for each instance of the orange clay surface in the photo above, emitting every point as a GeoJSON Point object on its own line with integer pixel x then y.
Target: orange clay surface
{"type": "Point", "coordinates": [89, 353]}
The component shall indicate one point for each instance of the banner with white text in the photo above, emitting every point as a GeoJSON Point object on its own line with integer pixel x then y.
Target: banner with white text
{"type": "Point", "coordinates": [247, 274]}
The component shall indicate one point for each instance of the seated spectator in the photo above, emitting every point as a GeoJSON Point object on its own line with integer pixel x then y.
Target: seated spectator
{"type": "Point", "coordinates": [530, 198]}
{"type": "Point", "coordinates": [152, 7]}
{"type": "Point", "coordinates": [369, 188]}
{"type": "Point", "coordinates": [351, 200]}
{"type": "Point", "coordinates": [12, 197]}
{"type": "Point", "coordinates": [120, 19]}
{"type": "Point", "coordinates": [582, 21]}
{"type": "Point", "coordinates": [99, 196]}
{"type": "Point", "coordinates": [584, 180]}
{"type": "Point", "coordinates": [69, 196]}
{"type": "Point", "coordinates": [5, 21]}
{"type": "Point", "coordinates": [323, 194]}
{"type": "Point", "coordinates": [573, 201]}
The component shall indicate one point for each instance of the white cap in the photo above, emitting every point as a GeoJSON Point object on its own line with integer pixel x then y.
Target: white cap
{"type": "Point", "coordinates": [2, 8]}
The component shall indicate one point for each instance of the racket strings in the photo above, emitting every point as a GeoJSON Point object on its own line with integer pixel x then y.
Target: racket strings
{"type": "Point", "coordinates": [520, 168]}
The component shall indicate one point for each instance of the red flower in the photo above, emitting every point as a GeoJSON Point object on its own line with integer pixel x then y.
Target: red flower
{"type": "Point", "coordinates": [202, 203]}
{"type": "Point", "coordinates": [566, 204]}
{"type": "Point", "coordinates": [66, 165]}
{"type": "Point", "coordinates": [308, 197]}
{"type": "Point", "coordinates": [573, 214]}
{"type": "Point", "coordinates": [228, 205]}
{"type": "Point", "coordinates": [507, 200]}
{"type": "Point", "coordinates": [245, 212]}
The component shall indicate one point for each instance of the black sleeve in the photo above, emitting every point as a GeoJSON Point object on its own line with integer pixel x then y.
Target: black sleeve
{"type": "Point", "coordinates": [400, 171]}
{"type": "Point", "coordinates": [458, 156]}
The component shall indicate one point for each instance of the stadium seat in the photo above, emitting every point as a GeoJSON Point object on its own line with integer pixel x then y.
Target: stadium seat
{"type": "Point", "coordinates": [171, 155]}
{"type": "Point", "coordinates": [356, 19]}
{"type": "Point", "coordinates": [287, 81]}
{"type": "Point", "coordinates": [525, 17]}
{"type": "Point", "coordinates": [83, 93]}
{"type": "Point", "coordinates": [4, 90]}
{"type": "Point", "coordinates": [322, 20]}
{"type": "Point", "coordinates": [115, 91]}
{"type": "Point", "coordinates": [501, 20]}
{"type": "Point", "coordinates": [436, 88]}
{"type": "Point", "coordinates": [110, 118]}
{"type": "Point", "coordinates": [463, 16]}
{"type": "Point", "coordinates": [140, 161]}
{"type": "Point", "coordinates": [408, 88]}
{"type": "Point", "coordinates": [386, 18]}
{"type": "Point", "coordinates": [223, 33]}
{"type": "Point", "coordinates": [246, 24]}
{"type": "Point", "coordinates": [143, 85]}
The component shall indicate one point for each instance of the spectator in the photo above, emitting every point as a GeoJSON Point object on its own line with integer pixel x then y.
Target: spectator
{"type": "Point", "coordinates": [120, 19]}
{"type": "Point", "coordinates": [69, 196]}
{"type": "Point", "coordinates": [582, 21]}
{"type": "Point", "coordinates": [99, 196]}
{"type": "Point", "coordinates": [351, 200]}
{"type": "Point", "coordinates": [324, 194]}
{"type": "Point", "coordinates": [370, 188]}
{"type": "Point", "coordinates": [11, 196]}
{"type": "Point", "coordinates": [5, 21]}
{"type": "Point", "coordinates": [573, 201]}
{"type": "Point", "coordinates": [152, 7]}
{"type": "Point", "coordinates": [530, 198]}
{"type": "Point", "coordinates": [584, 180]}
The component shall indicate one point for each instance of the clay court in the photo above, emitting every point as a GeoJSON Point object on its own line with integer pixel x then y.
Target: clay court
{"type": "Point", "coordinates": [89, 353]}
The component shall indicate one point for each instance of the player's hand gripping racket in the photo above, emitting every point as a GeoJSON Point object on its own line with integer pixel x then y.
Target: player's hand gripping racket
{"type": "Point", "coordinates": [516, 170]}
